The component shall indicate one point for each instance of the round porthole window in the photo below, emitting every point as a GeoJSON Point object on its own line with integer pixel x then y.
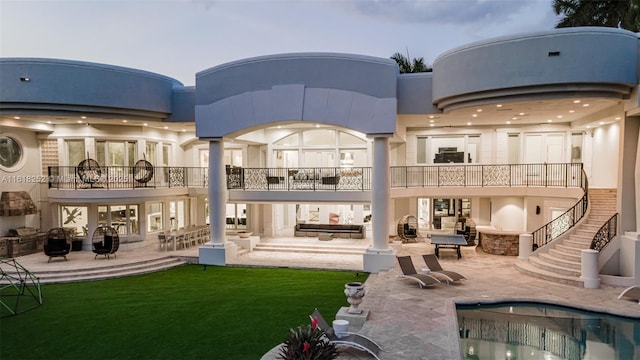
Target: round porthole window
{"type": "Point", "coordinates": [10, 152]}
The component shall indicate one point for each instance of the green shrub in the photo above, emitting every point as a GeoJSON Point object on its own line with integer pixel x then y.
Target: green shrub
{"type": "Point", "coordinates": [307, 342]}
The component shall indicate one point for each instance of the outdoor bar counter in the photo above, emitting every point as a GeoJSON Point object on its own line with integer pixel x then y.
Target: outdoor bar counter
{"type": "Point", "coordinates": [498, 242]}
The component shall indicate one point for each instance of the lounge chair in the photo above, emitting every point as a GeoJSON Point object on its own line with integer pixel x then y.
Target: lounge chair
{"type": "Point", "coordinates": [348, 339]}
{"type": "Point", "coordinates": [409, 272]}
{"type": "Point", "coordinates": [632, 293]}
{"type": "Point", "coordinates": [434, 265]}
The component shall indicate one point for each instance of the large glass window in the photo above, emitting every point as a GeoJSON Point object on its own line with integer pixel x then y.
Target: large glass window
{"type": "Point", "coordinates": [123, 218]}
{"type": "Point", "coordinates": [75, 152]}
{"type": "Point", "coordinates": [236, 215]}
{"type": "Point", "coordinates": [116, 153]}
{"type": "Point", "coordinates": [319, 137]}
{"type": "Point", "coordinates": [576, 147]}
{"type": "Point", "coordinates": [233, 157]}
{"type": "Point", "coordinates": [444, 150]}
{"type": "Point", "coordinates": [166, 151]}
{"type": "Point", "coordinates": [513, 149]}
{"type": "Point", "coordinates": [177, 215]}
{"type": "Point", "coordinates": [150, 152]}
{"type": "Point", "coordinates": [320, 148]}
{"type": "Point", "coordinates": [154, 217]}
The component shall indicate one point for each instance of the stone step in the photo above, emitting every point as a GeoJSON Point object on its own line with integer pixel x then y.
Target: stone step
{"type": "Point", "coordinates": [575, 242]}
{"type": "Point", "coordinates": [527, 268]}
{"type": "Point", "coordinates": [551, 267]}
{"type": "Point", "coordinates": [108, 272]}
{"type": "Point", "coordinates": [561, 261]}
{"type": "Point", "coordinates": [569, 250]}
{"type": "Point", "coordinates": [564, 255]}
{"type": "Point", "coordinates": [314, 249]}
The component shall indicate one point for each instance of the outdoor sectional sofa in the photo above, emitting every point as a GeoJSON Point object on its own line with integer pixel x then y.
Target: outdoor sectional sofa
{"type": "Point", "coordinates": [338, 230]}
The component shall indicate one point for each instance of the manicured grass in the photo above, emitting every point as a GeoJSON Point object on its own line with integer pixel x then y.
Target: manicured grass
{"type": "Point", "coordinates": [183, 313]}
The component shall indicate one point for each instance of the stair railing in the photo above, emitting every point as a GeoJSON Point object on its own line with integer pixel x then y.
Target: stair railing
{"type": "Point", "coordinates": [606, 233]}
{"type": "Point", "coordinates": [563, 223]}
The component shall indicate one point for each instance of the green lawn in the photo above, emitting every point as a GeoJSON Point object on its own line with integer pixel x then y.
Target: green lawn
{"type": "Point", "coordinates": [183, 313]}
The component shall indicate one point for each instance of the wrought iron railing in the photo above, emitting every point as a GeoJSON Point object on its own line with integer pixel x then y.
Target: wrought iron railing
{"type": "Point", "coordinates": [126, 177]}
{"type": "Point", "coordinates": [606, 233]}
{"type": "Point", "coordinates": [558, 226]}
{"type": "Point", "coordinates": [319, 178]}
{"type": "Point", "coordinates": [300, 179]}
{"type": "Point", "coordinates": [509, 175]}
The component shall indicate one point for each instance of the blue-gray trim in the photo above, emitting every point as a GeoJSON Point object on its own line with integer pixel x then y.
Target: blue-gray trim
{"type": "Point", "coordinates": [595, 60]}
{"type": "Point", "coordinates": [66, 86]}
{"type": "Point", "coordinates": [366, 75]}
{"type": "Point", "coordinates": [415, 94]}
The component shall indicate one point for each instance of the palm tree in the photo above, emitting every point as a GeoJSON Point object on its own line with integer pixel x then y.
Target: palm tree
{"type": "Point", "coordinates": [623, 14]}
{"type": "Point", "coordinates": [414, 66]}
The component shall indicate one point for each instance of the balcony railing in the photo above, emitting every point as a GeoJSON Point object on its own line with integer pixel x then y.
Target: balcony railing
{"type": "Point", "coordinates": [320, 178]}
{"type": "Point", "coordinates": [126, 177]}
{"type": "Point", "coordinates": [507, 175]}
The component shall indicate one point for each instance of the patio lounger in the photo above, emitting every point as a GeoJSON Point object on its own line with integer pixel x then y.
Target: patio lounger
{"type": "Point", "coordinates": [434, 265]}
{"type": "Point", "coordinates": [632, 293]}
{"type": "Point", "coordinates": [348, 339]}
{"type": "Point", "coordinates": [409, 271]}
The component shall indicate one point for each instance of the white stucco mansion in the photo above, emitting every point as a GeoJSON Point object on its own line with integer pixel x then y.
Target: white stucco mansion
{"type": "Point", "coordinates": [508, 132]}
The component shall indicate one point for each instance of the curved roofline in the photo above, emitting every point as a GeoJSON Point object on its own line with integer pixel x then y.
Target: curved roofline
{"type": "Point", "coordinates": [303, 55]}
{"type": "Point", "coordinates": [539, 34]}
{"type": "Point", "coordinates": [93, 65]}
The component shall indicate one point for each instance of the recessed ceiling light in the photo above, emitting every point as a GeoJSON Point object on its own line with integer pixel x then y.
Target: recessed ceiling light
{"type": "Point", "coordinates": [514, 118]}
{"type": "Point", "coordinates": [431, 116]}
{"type": "Point", "coordinates": [317, 125]}
{"type": "Point", "coordinates": [145, 124]}
{"type": "Point", "coordinates": [585, 105]}
{"type": "Point", "coordinates": [618, 117]}
{"type": "Point", "coordinates": [166, 127]}
{"type": "Point", "coordinates": [508, 122]}
{"type": "Point", "coordinates": [499, 105]}
{"type": "Point", "coordinates": [279, 126]}
{"type": "Point", "coordinates": [83, 117]}
{"type": "Point", "coordinates": [559, 116]}
{"type": "Point", "coordinates": [432, 121]}
{"type": "Point", "coordinates": [571, 111]}
{"type": "Point", "coordinates": [601, 123]}
{"type": "Point", "coordinates": [588, 126]}
{"type": "Point", "coordinates": [184, 130]}
{"type": "Point", "coordinates": [474, 115]}
{"type": "Point", "coordinates": [79, 121]}
{"type": "Point", "coordinates": [576, 101]}
{"type": "Point", "coordinates": [549, 120]}
{"type": "Point", "coordinates": [432, 125]}
{"type": "Point", "coordinates": [49, 122]}
{"type": "Point", "coordinates": [479, 110]}
{"type": "Point", "coordinates": [17, 117]}
{"type": "Point", "coordinates": [521, 114]}
{"type": "Point", "coordinates": [124, 121]}
{"type": "Point", "coordinates": [469, 123]}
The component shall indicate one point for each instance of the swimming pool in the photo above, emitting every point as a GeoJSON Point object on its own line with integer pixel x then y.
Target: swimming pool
{"type": "Point", "coordinates": [526, 331]}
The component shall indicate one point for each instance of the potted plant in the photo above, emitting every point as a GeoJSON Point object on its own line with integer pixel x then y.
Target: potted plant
{"type": "Point", "coordinates": [307, 342]}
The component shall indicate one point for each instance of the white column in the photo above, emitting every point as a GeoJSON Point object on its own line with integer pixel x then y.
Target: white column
{"type": "Point", "coordinates": [379, 257]}
{"type": "Point", "coordinates": [589, 272]}
{"type": "Point", "coordinates": [216, 251]}
{"type": "Point", "coordinates": [525, 243]}
{"type": "Point", "coordinates": [217, 192]}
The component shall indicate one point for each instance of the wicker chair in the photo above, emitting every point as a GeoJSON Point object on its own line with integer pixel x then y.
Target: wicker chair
{"type": "Point", "coordinates": [105, 241]}
{"type": "Point", "coordinates": [58, 243]}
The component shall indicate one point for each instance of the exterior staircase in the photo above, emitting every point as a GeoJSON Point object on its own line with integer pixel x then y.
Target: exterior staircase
{"type": "Point", "coordinates": [310, 249]}
{"type": "Point", "coordinates": [107, 272]}
{"type": "Point", "coordinates": [562, 263]}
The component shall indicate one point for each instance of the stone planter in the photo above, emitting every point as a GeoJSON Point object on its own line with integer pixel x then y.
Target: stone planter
{"type": "Point", "coordinates": [355, 292]}
{"type": "Point", "coordinates": [244, 234]}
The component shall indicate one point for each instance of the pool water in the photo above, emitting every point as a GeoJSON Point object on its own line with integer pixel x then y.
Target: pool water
{"type": "Point", "coordinates": [526, 331]}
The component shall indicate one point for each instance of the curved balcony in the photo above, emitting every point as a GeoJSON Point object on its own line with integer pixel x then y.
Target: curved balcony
{"type": "Point", "coordinates": [557, 175]}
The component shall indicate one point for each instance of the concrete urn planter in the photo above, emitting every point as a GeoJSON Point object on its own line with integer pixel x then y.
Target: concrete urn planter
{"type": "Point", "coordinates": [355, 292]}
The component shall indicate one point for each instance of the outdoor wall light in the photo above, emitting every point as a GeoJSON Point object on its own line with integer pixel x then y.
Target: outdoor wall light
{"type": "Point", "coordinates": [553, 53]}
{"type": "Point", "coordinates": [25, 79]}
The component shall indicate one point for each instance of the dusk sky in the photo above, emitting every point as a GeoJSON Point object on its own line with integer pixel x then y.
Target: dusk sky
{"type": "Point", "coordinates": [179, 38]}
